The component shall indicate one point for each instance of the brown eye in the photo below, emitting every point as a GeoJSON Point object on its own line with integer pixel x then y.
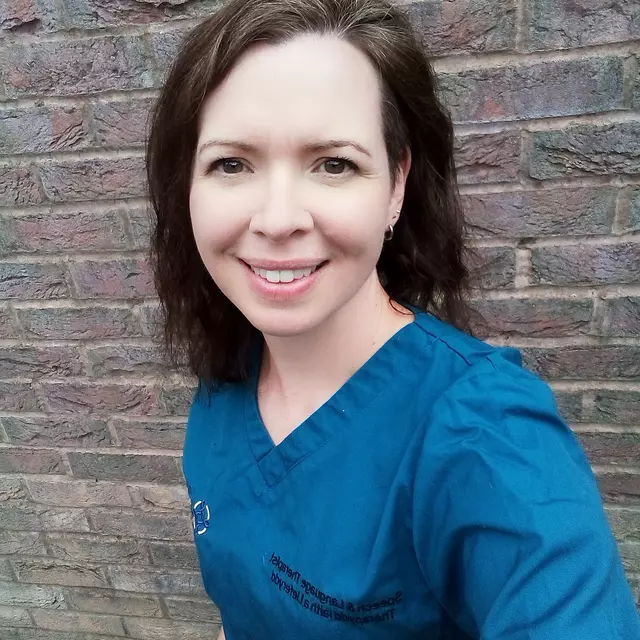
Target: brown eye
{"type": "Point", "coordinates": [231, 166]}
{"type": "Point", "coordinates": [335, 166]}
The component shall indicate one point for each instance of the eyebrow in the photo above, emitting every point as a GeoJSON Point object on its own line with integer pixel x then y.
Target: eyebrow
{"type": "Point", "coordinates": [311, 147]}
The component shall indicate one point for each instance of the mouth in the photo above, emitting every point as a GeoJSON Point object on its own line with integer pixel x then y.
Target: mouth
{"type": "Point", "coordinates": [285, 276]}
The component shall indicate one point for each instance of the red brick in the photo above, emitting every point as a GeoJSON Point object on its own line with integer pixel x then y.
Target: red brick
{"type": "Point", "coordinates": [18, 187]}
{"type": "Point", "coordinates": [140, 224]}
{"type": "Point", "coordinates": [166, 44]}
{"type": "Point", "coordinates": [547, 89]}
{"type": "Point", "coordinates": [142, 524]}
{"type": "Point", "coordinates": [607, 362]}
{"type": "Point", "coordinates": [620, 488]}
{"type": "Point", "coordinates": [612, 448]}
{"type": "Point", "coordinates": [41, 571]}
{"type": "Point", "coordinates": [43, 129]}
{"type": "Point", "coordinates": [92, 548]}
{"type": "Point", "coordinates": [31, 461]}
{"type": "Point", "coordinates": [585, 150]}
{"type": "Point", "coordinates": [35, 362]}
{"type": "Point", "coordinates": [176, 401]}
{"type": "Point", "coordinates": [109, 601]}
{"type": "Point", "coordinates": [120, 359]}
{"type": "Point", "coordinates": [69, 493]}
{"type": "Point", "coordinates": [18, 396]}
{"type": "Point", "coordinates": [587, 264]}
{"type": "Point", "coordinates": [38, 281]}
{"type": "Point", "coordinates": [150, 435]}
{"type": "Point", "coordinates": [80, 180]}
{"type": "Point", "coordinates": [79, 323]}
{"type": "Point", "coordinates": [121, 124]}
{"type": "Point", "coordinates": [447, 28]}
{"type": "Point", "coordinates": [524, 214]}
{"type": "Point", "coordinates": [493, 267]}
{"type": "Point", "coordinates": [54, 232]}
{"type": "Point", "coordinates": [534, 318]}
{"type": "Point", "coordinates": [617, 407]}
{"type": "Point", "coordinates": [624, 317]}
{"type": "Point", "coordinates": [28, 16]}
{"type": "Point", "coordinates": [79, 622]}
{"type": "Point", "coordinates": [491, 157]}
{"type": "Point", "coordinates": [75, 67]}
{"type": "Point", "coordinates": [126, 278]}
{"type": "Point", "coordinates": [140, 468]}
{"type": "Point", "coordinates": [8, 325]}
{"type": "Point", "coordinates": [151, 316]}
{"type": "Point", "coordinates": [146, 581]}
{"type": "Point", "coordinates": [53, 431]}
{"type": "Point", "coordinates": [564, 24]}
{"type": "Point", "coordinates": [151, 629]}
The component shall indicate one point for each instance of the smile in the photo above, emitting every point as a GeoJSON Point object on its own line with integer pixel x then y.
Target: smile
{"type": "Point", "coordinates": [284, 275]}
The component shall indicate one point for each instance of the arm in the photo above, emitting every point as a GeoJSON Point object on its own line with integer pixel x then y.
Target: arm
{"type": "Point", "coordinates": [510, 531]}
{"type": "Point", "coordinates": [221, 634]}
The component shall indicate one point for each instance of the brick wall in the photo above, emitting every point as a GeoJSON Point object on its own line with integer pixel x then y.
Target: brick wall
{"type": "Point", "coordinates": [94, 527]}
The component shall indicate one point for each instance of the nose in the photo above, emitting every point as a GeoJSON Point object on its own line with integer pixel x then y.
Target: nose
{"type": "Point", "coordinates": [280, 215]}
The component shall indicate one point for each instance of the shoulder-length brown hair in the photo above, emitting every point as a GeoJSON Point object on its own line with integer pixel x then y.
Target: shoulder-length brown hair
{"type": "Point", "coordinates": [423, 264]}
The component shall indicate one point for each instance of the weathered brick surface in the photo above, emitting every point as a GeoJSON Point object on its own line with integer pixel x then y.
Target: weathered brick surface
{"type": "Point", "coordinates": [95, 528]}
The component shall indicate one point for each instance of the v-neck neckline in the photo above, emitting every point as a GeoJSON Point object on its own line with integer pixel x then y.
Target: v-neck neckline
{"type": "Point", "coordinates": [385, 366]}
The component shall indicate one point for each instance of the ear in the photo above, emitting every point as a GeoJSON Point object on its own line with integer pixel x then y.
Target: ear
{"type": "Point", "coordinates": [397, 194]}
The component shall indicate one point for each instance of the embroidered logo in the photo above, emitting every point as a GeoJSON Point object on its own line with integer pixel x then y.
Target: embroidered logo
{"type": "Point", "coordinates": [200, 517]}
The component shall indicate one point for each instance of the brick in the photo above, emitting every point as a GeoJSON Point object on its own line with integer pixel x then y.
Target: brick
{"type": "Point", "coordinates": [585, 150]}
{"type": "Point", "coordinates": [43, 129]}
{"type": "Point", "coordinates": [625, 523]}
{"type": "Point", "coordinates": [151, 320]}
{"type": "Point", "coordinates": [611, 448]}
{"type": "Point", "coordinates": [80, 622]}
{"type": "Point", "coordinates": [526, 214]}
{"type": "Point", "coordinates": [176, 401]}
{"type": "Point", "coordinates": [125, 278]}
{"type": "Point", "coordinates": [161, 497]}
{"type": "Point", "coordinates": [18, 396]}
{"type": "Point", "coordinates": [463, 27]}
{"type": "Point", "coordinates": [27, 595]}
{"type": "Point", "coordinates": [192, 610]}
{"type": "Point", "coordinates": [630, 555]}
{"type": "Point", "coordinates": [49, 232]}
{"type": "Point", "coordinates": [624, 317]}
{"type": "Point", "coordinates": [634, 196]}
{"type": "Point", "coordinates": [91, 548]}
{"type": "Point", "coordinates": [52, 431]}
{"type": "Point", "coordinates": [492, 157]}
{"type": "Point", "coordinates": [41, 634]}
{"type": "Point", "coordinates": [492, 267]}
{"type": "Point", "coordinates": [88, 493]}
{"type": "Point", "coordinates": [583, 363]}
{"type": "Point", "coordinates": [108, 601]}
{"type": "Point", "coordinates": [178, 556]}
{"type": "Point", "coordinates": [140, 468]}
{"type": "Point", "coordinates": [121, 124]}
{"type": "Point", "coordinates": [81, 397]}
{"type": "Point", "coordinates": [28, 16]}
{"type": "Point", "coordinates": [12, 489]}
{"type": "Point", "coordinates": [150, 435]}
{"type": "Point", "coordinates": [79, 323]}
{"type": "Point", "coordinates": [21, 516]}
{"type": "Point", "coordinates": [617, 407]}
{"type": "Point", "coordinates": [165, 582]}
{"type": "Point", "coordinates": [587, 264]}
{"type": "Point", "coordinates": [150, 629]}
{"type": "Point", "coordinates": [76, 67]}
{"type": "Point", "coordinates": [119, 359]}
{"type": "Point", "coordinates": [165, 45]}
{"type": "Point", "coordinates": [566, 24]}
{"type": "Point", "coordinates": [544, 90]}
{"type": "Point", "coordinates": [140, 225]}
{"type": "Point", "coordinates": [6, 572]}
{"type": "Point", "coordinates": [22, 542]}
{"type": "Point", "coordinates": [55, 519]}
{"type": "Point", "coordinates": [24, 280]}
{"type": "Point", "coordinates": [36, 362]}
{"type": "Point", "coordinates": [620, 488]}
{"type": "Point", "coordinates": [142, 524]}
{"type": "Point", "coordinates": [533, 318]}
{"type": "Point", "coordinates": [569, 405]}
{"type": "Point", "coordinates": [30, 460]}
{"type": "Point", "coordinates": [8, 326]}
{"type": "Point", "coordinates": [56, 572]}
{"type": "Point", "coordinates": [18, 187]}
{"type": "Point", "coordinates": [14, 617]}
{"type": "Point", "coordinates": [97, 179]}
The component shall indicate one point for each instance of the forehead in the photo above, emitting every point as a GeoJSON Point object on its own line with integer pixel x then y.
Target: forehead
{"type": "Point", "coordinates": [310, 87]}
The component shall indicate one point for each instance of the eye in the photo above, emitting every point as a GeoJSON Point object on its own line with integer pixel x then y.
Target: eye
{"type": "Point", "coordinates": [228, 166]}
{"type": "Point", "coordinates": [338, 166]}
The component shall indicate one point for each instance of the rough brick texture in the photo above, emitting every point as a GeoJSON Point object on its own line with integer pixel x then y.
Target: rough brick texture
{"type": "Point", "coordinates": [95, 531]}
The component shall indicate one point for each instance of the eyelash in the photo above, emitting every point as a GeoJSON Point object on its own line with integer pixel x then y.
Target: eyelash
{"type": "Point", "coordinates": [217, 163]}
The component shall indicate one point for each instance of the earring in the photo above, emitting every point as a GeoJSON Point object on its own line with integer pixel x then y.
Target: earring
{"type": "Point", "coordinates": [388, 234]}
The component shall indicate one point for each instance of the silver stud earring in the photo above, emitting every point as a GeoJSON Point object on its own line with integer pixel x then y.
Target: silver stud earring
{"type": "Point", "coordinates": [388, 234]}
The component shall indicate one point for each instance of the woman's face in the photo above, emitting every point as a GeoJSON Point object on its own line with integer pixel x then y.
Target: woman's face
{"type": "Point", "coordinates": [291, 191]}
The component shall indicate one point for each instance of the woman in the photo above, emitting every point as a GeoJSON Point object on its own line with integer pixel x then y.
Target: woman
{"type": "Point", "coordinates": [359, 466]}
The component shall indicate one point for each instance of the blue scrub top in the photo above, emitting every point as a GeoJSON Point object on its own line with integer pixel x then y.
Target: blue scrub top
{"type": "Point", "coordinates": [437, 495]}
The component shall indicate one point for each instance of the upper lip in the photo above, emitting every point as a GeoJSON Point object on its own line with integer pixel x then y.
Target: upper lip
{"type": "Point", "coordinates": [283, 265]}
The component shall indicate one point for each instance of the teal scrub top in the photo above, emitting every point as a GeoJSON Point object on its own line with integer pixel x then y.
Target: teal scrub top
{"type": "Point", "coordinates": [437, 495]}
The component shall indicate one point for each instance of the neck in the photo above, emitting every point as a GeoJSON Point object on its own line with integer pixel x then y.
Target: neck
{"type": "Point", "coordinates": [311, 366]}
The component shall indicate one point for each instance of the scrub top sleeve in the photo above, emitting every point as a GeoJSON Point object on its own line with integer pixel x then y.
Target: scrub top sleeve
{"type": "Point", "coordinates": [509, 527]}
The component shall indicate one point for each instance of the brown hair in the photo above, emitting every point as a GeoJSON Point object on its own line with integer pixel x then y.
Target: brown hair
{"type": "Point", "coordinates": [423, 264]}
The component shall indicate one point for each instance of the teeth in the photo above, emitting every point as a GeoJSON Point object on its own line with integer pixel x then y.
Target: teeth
{"type": "Point", "coordinates": [286, 275]}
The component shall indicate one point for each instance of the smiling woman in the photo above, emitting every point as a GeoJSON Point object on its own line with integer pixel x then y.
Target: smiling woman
{"type": "Point", "coordinates": [359, 465]}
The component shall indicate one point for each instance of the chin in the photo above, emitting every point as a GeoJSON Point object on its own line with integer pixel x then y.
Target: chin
{"type": "Point", "coordinates": [283, 323]}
